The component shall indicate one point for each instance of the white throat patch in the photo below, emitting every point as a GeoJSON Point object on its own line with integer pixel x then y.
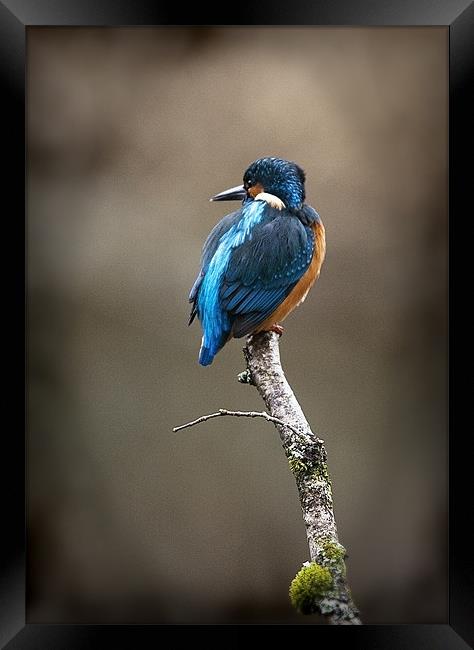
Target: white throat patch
{"type": "Point", "coordinates": [271, 199]}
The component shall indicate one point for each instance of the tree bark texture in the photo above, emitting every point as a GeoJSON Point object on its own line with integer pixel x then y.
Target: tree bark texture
{"type": "Point", "coordinates": [321, 585]}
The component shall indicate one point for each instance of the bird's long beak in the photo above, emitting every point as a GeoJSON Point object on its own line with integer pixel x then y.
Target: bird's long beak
{"type": "Point", "coordinates": [233, 194]}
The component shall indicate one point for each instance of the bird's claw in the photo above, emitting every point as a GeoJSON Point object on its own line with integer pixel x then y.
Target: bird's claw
{"type": "Point", "coordinates": [278, 329]}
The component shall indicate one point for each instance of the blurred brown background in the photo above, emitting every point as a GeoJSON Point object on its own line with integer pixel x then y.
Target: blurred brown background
{"type": "Point", "coordinates": [130, 131]}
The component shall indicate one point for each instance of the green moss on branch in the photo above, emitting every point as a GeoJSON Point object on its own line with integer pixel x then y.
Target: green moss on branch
{"type": "Point", "coordinates": [310, 586]}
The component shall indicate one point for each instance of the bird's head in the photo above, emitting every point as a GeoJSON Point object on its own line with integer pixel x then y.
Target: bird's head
{"type": "Point", "coordinates": [272, 176]}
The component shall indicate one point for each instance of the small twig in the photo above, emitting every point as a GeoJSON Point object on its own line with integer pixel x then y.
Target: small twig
{"type": "Point", "coordinates": [239, 414]}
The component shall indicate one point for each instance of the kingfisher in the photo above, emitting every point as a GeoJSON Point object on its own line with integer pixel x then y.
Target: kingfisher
{"type": "Point", "coordinates": [259, 262]}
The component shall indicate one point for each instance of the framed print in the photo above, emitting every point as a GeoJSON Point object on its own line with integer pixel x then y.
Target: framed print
{"type": "Point", "coordinates": [126, 123]}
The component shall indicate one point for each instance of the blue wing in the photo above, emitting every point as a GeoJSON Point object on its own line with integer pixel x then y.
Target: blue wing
{"type": "Point", "coordinates": [264, 269]}
{"type": "Point", "coordinates": [209, 248]}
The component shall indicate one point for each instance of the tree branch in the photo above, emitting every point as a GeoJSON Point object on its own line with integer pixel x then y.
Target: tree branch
{"type": "Point", "coordinates": [321, 585]}
{"type": "Point", "coordinates": [238, 414]}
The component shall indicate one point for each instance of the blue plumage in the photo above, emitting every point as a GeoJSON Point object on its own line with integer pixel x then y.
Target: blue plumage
{"type": "Point", "coordinates": [215, 319]}
{"type": "Point", "coordinates": [280, 178]}
{"type": "Point", "coordinates": [254, 257]}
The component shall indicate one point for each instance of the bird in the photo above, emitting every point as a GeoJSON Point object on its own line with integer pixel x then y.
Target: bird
{"type": "Point", "coordinates": [259, 262]}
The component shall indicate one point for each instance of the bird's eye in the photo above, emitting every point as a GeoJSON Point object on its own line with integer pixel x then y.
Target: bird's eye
{"type": "Point", "coordinates": [248, 183]}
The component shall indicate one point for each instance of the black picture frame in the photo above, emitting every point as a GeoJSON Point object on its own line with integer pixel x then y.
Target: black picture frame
{"type": "Point", "coordinates": [15, 17]}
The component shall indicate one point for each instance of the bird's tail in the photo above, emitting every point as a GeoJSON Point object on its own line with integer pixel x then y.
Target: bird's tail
{"type": "Point", "coordinates": [206, 356]}
{"type": "Point", "coordinates": [210, 347]}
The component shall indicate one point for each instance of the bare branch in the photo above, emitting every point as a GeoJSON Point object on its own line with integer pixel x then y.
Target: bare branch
{"type": "Point", "coordinates": [238, 414]}
{"type": "Point", "coordinates": [321, 585]}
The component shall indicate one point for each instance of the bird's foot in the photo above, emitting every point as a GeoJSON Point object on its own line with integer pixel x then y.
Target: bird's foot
{"type": "Point", "coordinates": [278, 329]}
